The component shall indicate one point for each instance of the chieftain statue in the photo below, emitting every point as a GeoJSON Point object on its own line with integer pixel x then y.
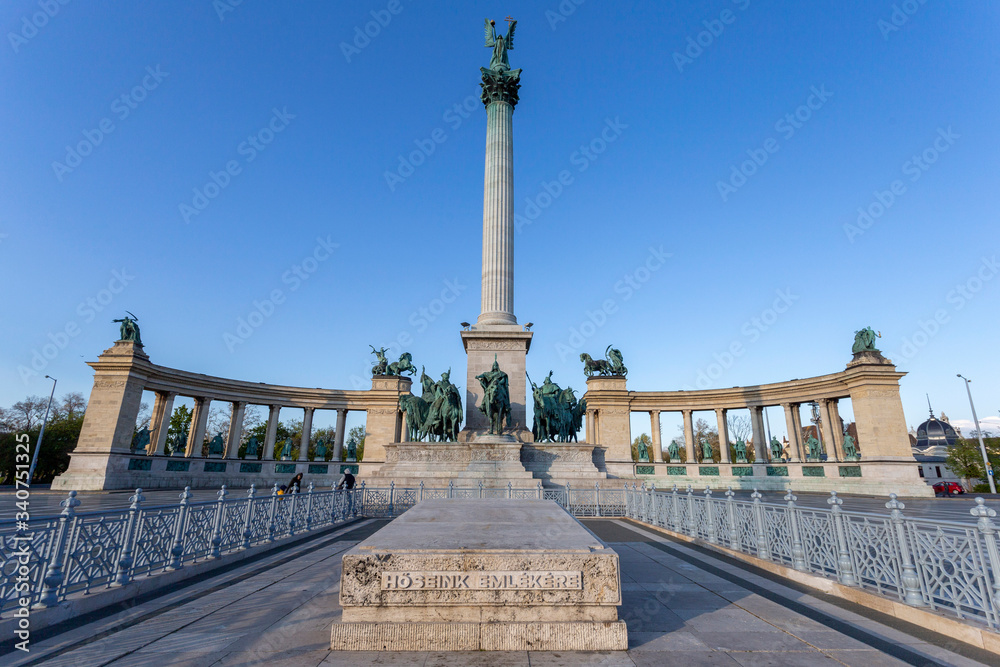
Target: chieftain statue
{"type": "Point", "coordinates": [850, 449]}
{"type": "Point", "coordinates": [611, 366]}
{"type": "Point", "coordinates": [496, 398]}
{"type": "Point", "coordinates": [706, 452]}
{"type": "Point", "coordinates": [814, 450]}
{"type": "Point", "coordinates": [129, 330]}
{"type": "Point", "coordinates": [674, 451]}
{"type": "Point", "coordinates": [741, 451]}
{"type": "Point", "coordinates": [558, 415]}
{"type": "Point", "coordinates": [437, 413]}
{"type": "Point", "coordinates": [252, 448]}
{"type": "Point", "coordinates": [777, 451]}
{"type": "Point", "coordinates": [217, 446]}
{"type": "Point", "coordinates": [864, 340]}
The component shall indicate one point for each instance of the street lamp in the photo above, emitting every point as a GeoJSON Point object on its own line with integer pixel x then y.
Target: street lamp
{"type": "Point", "coordinates": [41, 433]}
{"type": "Point", "coordinates": [979, 432]}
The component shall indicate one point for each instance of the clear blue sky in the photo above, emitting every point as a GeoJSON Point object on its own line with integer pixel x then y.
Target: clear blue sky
{"type": "Point", "coordinates": [681, 117]}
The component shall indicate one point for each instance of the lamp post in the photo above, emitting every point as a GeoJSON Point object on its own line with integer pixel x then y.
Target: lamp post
{"type": "Point", "coordinates": [979, 432]}
{"type": "Point", "coordinates": [41, 433]}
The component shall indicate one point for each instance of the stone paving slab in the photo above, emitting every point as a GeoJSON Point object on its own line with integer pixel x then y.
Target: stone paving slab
{"type": "Point", "coordinates": [679, 609]}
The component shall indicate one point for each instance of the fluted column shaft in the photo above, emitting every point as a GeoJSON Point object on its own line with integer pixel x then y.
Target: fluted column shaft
{"type": "Point", "coordinates": [498, 217]}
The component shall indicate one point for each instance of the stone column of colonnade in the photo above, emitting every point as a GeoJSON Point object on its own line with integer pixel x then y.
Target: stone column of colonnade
{"type": "Point", "coordinates": [838, 429]}
{"type": "Point", "coordinates": [307, 423]}
{"type": "Point", "coordinates": [654, 428]}
{"type": "Point", "coordinates": [235, 430]}
{"type": "Point", "coordinates": [723, 426]}
{"type": "Point", "coordinates": [760, 447]}
{"type": "Point", "coordinates": [274, 411]}
{"type": "Point", "coordinates": [163, 409]}
{"type": "Point", "coordinates": [199, 421]}
{"type": "Point", "coordinates": [826, 424]}
{"type": "Point", "coordinates": [498, 217]}
{"type": "Point", "coordinates": [793, 427]}
{"type": "Point", "coordinates": [338, 438]}
{"type": "Point", "coordinates": [689, 443]}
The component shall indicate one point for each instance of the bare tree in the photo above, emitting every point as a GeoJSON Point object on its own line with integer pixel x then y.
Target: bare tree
{"type": "Point", "coordinates": [218, 421]}
{"type": "Point", "coordinates": [25, 414]}
{"type": "Point", "coordinates": [740, 427]}
{"type": "Point", "coordinates": [72, 404]}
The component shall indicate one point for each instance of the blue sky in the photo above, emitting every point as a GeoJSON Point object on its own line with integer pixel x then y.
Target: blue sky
{"type": "Point", "coordinates": [739, 138]}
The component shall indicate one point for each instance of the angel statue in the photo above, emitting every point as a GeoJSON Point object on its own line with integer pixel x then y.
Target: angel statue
{"type": "Point", "coordinates": [500, 44]}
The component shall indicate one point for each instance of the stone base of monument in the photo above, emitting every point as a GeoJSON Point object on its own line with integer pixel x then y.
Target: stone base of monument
{"type": "Point", "coordinates": [494, 460]}
{"type": "Point", "coordinates": [468, 575]}
{"type": "Point", "coordinates": [560, 463]}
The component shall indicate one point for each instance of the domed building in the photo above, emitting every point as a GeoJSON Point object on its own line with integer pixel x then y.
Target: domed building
{"type": "Point", "coordinates": [933, 439]}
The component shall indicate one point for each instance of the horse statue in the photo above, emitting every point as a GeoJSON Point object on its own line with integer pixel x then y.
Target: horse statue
{"type": "Point", "coordinates": [437, 414]}
{"type": "Point", "coordinates": [404, 365]}
{"type": "Point", "coordinates": [415, 409]}
{"type": "Point", "coordinates": [496, 398]}
{"type": "Point", "coordinates": [606, 367]}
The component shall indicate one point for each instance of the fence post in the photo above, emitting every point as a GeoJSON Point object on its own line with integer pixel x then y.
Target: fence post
{"type": "Point", "coordinates": [710, 517]}
{"type": "Point", "coordinates": [597, 498]}
{"type": "Point", "coordinates": [128, 544]}
{"type": "Point", "coordinates": [911, 580]}
{"type": "Point", "coordinates": [541, 496]}
{"type": "Point", "coordinates": [421, 496]}
{"type": "Point", "coordinates": [451, 488]}
{"type": "Point", "coordinates": [798, 553]}
{"type": "Point", "coordinates": [217, 523]}
{"type": "Point", "coordinates": [54, 574]}
{"type": "Point", "coordinates": [177, 550]}
{"type": "Point", "coordinates": [361, 506]}
{"type": "Point", "coordinates": [510, 491]}
{"type": "Point", "coordinates": [291, 510]}
{"type": "Point", "coordinates": [251, 492]}
{"type": "Point", "coordinates": [845, 567]}
{"type": "Point", "coordinates": [692, 528]}
{"type": "Point", "coordinates": [309, 507]}
{"type": "Point", "coordinates": [569, 496]}
{"type": "Point", "coordinates": [271, 512]}
{"type": "Point", "coordinates": [758, 514]}
{"type": "Point", "coordinates": [734, 533]}
{"type": "Point", "coordinates": [988, 530]}
{"type": "Point", "coordinates": [675, 511]}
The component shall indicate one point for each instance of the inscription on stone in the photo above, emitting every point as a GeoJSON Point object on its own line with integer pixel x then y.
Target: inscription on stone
{"type": "Point", "coordinates": [495, 580]}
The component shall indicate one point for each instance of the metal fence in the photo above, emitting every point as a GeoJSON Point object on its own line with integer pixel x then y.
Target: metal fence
{"type": "Point", "coordinates": [949, 566]}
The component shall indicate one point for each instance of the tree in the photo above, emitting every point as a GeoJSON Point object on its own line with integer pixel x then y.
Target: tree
{"type": "Point", "coordinates": [61, 435]}
{"type": "Point", "coordinates": [180, 422]}
{"type": "Point", "coordinates": [703, 432]}
{"type": "Point", "coordinates": [143, 417]}
{"type": "Point", "coordinates": [965, 459]}
{"type": "Point", "coordinates": [740, 427]}
{"type": "Point", "coordinates": [25, 415]}
{"type": "Point", "coordinates": [358, 435]}
{"type": "Point", "coordinates": [72, 404]}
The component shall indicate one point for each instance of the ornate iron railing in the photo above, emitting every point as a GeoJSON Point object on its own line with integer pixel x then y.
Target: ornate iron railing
{"type": "Point", "coordinates": [949, 566]}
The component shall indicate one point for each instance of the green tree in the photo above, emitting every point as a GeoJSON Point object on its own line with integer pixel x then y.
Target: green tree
{"type": "Point", "coordinates": [965, 459]}
{"type": "Point", "coordinates": [61, 435]}
{"type": "Point", "coordinates": [180, 423]}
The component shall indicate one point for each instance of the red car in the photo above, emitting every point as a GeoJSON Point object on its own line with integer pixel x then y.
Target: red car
{"type": "Point", "coordinates": [948, 489]}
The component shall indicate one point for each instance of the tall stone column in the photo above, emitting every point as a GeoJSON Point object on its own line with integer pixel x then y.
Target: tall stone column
{"type": "Point", "coordinates": [338, 438]}
{"type": "Point", "coordinates": [720, 420]}
{"type": "Point", "coordinates": [654, 427]}
{"type": "Point", "coordinates": [838, 430]}
{"type": "Point", "coordinates": [199, 421]}
{"type": "Point", "coordinates": [689, 443]}
{"type": "Point", "coordinates": [162, 411]}
{"type": "Point", "coordinates": [757, 424]}
{"type": "Point", "coordinates": [826, 424]}
{"type": "Point", "coordinates": [235, 430]}
{"type": "Point", "coordinates": [307, 425]}
{"type": "Point", "coordinates": [272, 432]}
{"type": "Point", "coordinates": [792, 426]}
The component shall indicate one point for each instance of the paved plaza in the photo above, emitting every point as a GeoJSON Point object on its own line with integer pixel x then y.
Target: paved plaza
{"type": "Point", "coordinates": [682, 605]}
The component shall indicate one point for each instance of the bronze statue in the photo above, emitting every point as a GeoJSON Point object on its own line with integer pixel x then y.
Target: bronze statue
{"type": "Point", "coordinates": [286, 451]}
{"type": "Point", "coordinates": [437, 414]}
{"type": "Point", "coordinates": [741, 451]}
{"type": "Point", "coordinates": [320, 452]}
{"type": "Point", "coordinates": [674, 451]}
{"type": "Point", "coordinates": [706, 452]}
{"type": "Point", "coordinates": [777, 451]}
{"type": "Point", "coordinates": [252, 448]}
{"type": "Point", "coordinates": [404, 365]}
{"type": "Point", "coordinates": [864, 340]}
{"type": "Point", "coordinates": [217, 446]}
{"type": "Point", "coordinates": [850, 449]}
{"type": "Point", "coordinates": [129, 330]}
{"type": "Point", "coordinates": [140, 443]}
{"type": "Point", "coordinates": [557, 414]}
{"type": "Point", "coordinates": [500, 44]}
{"type": "Point", "coordinates": [382, 364]}
{"type": "Point", "coordinates": [612, 366]}
{"type": "Point", "coordinates": [496, 398]}
{"type": "Point", "coordinates": [813, 448]}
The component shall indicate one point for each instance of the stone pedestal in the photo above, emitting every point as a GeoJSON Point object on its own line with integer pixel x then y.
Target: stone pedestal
{"type": "Point", "coordinates": [558, 464]}
{"type": "Point", "coordinates": [608, 399]}
{"type": "Point", "coordinates": [384, 423]}
{"type": "Point", "coordinates": [489, 575]}
{"type": "Point", "coordinates": [509, 346]}
{"type": "Point", "coordinates": [493, 461]}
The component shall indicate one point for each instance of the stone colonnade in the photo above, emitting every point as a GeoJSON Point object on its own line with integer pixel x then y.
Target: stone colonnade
{"type": "Point", "coordinates": [104, 459]}
{"type": "Point", "coordinates": [870, 381]}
